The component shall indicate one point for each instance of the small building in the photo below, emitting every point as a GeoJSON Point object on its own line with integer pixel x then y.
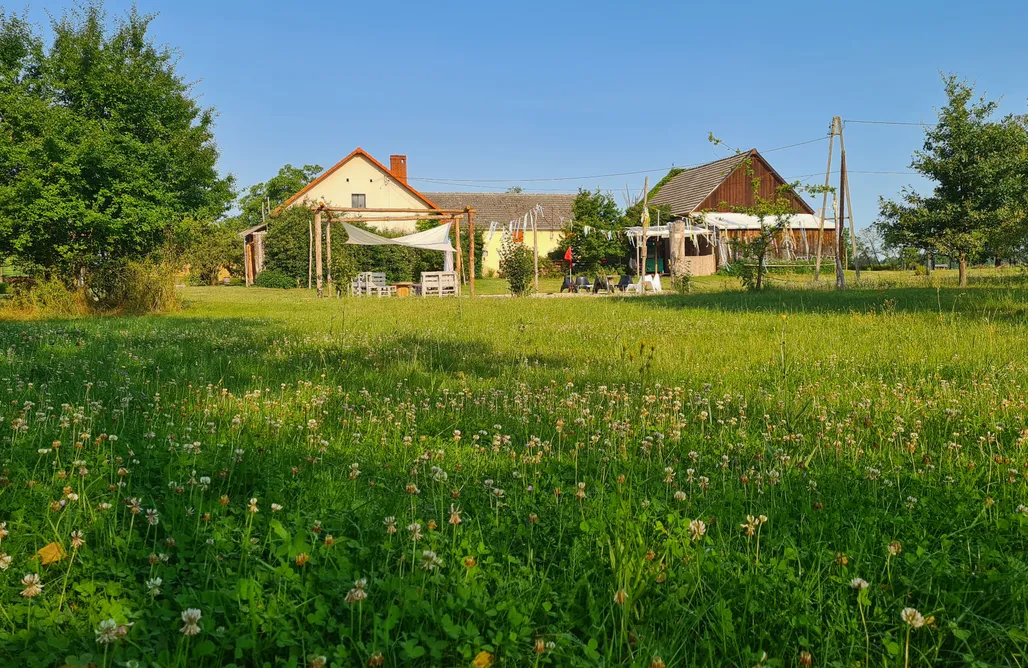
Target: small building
{"type": "Point", "coordinates": [358, 181]}
{"type": "Point", "coordinates": [709, 197]}
{"type": "Point", "coordinates": [497, 213]}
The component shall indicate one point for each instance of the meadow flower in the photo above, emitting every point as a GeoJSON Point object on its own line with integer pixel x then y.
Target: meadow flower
{"type": "Point", "coordinates": [657, 662]}
{"type": "Point", "coordinates": [580, 493]}
{"type": "Point", "coordinates": [912, 617]}
{"type": "Point", "coordinates": [316, 661]}
{"type": "Point", "coordinates": [455, 515]}
{"type": "Point", "coordinates": [275, 507]}
{"type": "Point", "coordinates": [750, 525]}
{"type": "Point", "coordinates": [415, 531]}
{"type": "Point", "coordinates": [859, 583]}
{"type": "Point", "coordinates": [376, 659]}
{"type": "Point", "coordinates": [5, 561]}
{"type": "Point", "coordinates": [77, 540]}
{"type": "Point", "coordinates": [697, 529]}
{"type": "Point", "coordinates": [390, 525]}
{"type": "Point", "coordinates": [135, 505]}
{"type": "Point", "coordinates": [152, 517]}
{"type": "Point", "coordinates": [106, 632]}
{"type": "Point", "coordinates": [354, 471]}
{"type": "Point", "coordinates": [329, 540]}
{"type": "Point", "coordinates": [3, 531]}
{"type": "Point", "coordinates": [895, 547]}
{"type": "Point", "coordinates": [430, 561]}
{"type": "Point", "coordinates": [357, 594]}
{"type": "Point", "coordinates": [620, 596]}
{"type": "Point", "coordinates": [806, 659]}
{"type": "Point", "coordinates": [105, 506]}
{"type": "Point", "coordinates": [32, 586]}
{"type": "Point", "coordinates": [679, 496]}
{"type": "Point", "coordinates": [153, 586]}
{"type": "Point", "coordinates": [469, 562]}
{"type": "Point", "coordinates": [191, 621]}
{"type": "Point", "coordinates": [253, 507]}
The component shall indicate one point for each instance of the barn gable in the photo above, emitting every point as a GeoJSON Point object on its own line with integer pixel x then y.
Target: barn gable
{"type": "Point", "coordinates": [723, 185]}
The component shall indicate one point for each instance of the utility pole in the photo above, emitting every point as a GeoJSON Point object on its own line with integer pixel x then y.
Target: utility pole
{"type": "Point", "coordinates": [836, 128]}
{"type": "Point", "coordinates": [840, 242]}
{"type": "Point", "coordinates": [849, 201]}
{"type": "Point", "coordinates": [645, 220]}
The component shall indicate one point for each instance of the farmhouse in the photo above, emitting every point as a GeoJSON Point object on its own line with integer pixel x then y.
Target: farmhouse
{"type": "Point", "coordinates": [708, 197]}
{"type": "Point", "coordinates": [359, 181]}
{"type": "Point", "coordinates": [513, 213]}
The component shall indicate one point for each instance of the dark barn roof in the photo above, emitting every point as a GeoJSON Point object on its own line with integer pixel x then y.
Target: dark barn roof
{"type": "Point", "coordinates": [723, 183]}
{"type": "Point", "coordinates": [505, 207]}
{"type": "Point", "coordinates": [687, 191]}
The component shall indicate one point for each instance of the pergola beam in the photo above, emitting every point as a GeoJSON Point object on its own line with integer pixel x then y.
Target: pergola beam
{"type": "Point", "coordinates": [426, 212]}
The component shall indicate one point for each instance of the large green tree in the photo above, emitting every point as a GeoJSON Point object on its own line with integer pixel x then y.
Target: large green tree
{"type": "Point", "coordinates": [262, 198]}
{"type": "Point", "coordinates": [591, 232]}
{"type": "Point", "coordinates": [978, 163]}
{"type": "Point", "coordinates": [105, 148]}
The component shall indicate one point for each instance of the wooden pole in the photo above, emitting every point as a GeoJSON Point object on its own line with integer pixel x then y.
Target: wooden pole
{"type": "Point", "coordinates": [471, 251]}
{"type": "Point", "coordinates": [318, 274]}
{"type": "Point", "coordinates": [328, 254]}
{"type": "Point", "coordinates": [840, 242]}
{"type": "Point", "coordinates": [824, 202]}
{"type": "Point", "coordinates": [535, 249]}
{"type": "Point", "coordinates": [310, 252]}
{"type": "Point", "coordinates": [460, 257]}
{"type": "Point", "coordinates": [849, 200]}
{"type": "Point", "coordinates": [645, 218]}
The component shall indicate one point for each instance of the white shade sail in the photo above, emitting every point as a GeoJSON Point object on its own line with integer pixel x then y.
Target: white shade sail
{"type": "Point", "coordinates": [437, 238]}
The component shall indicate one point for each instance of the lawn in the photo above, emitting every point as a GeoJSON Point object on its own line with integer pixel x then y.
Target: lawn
{"type": "Point", "coordinates": [716, 478]}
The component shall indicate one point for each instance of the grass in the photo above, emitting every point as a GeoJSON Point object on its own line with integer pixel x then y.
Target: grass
{"type": "Point", "coordinates": [610, 461]}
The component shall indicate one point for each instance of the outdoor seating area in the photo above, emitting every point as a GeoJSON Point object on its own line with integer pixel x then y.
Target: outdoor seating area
{"type": "Point", "coordinates": [433, 283]}
{"type": "Point", "coordinates": [623, 283]}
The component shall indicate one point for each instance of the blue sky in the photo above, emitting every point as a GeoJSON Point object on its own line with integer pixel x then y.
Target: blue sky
{"type": "Point", "coordinates": [536, 90]}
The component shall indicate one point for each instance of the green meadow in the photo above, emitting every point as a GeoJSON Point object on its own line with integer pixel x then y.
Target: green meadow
{"type": "Point", "coordinates": [797, 477]}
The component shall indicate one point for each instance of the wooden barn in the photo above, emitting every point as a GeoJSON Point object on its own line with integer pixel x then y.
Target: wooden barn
{"type": "Point", "coordinates": [710, 195]}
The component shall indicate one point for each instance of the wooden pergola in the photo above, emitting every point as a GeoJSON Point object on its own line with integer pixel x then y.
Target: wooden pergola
{"type": "Point", "coordinates": [325, 215]}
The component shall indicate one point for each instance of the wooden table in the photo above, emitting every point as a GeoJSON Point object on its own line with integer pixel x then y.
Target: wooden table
{"type": "Point", "coordinates": [403, 288]}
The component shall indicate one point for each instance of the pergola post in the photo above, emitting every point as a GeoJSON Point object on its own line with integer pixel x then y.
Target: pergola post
{"type": "Point", "coordinates": [460, 254]}
{"type": "Point", "coordinates": [317, 252]}
{"type": "Point", "coordinates": [328, 253]}
{"type": "Point", "coordinates": [471, 250]}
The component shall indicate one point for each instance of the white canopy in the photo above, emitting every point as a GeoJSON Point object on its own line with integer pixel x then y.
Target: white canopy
{"type": "Point", "coordinates": [437, 238]}
{"type": "Point", "coordinates": [743, 221]}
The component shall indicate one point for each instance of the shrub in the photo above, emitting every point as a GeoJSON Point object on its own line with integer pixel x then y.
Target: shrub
{"type": "Point", "coordinates": [48, 297]}
{"type": "Point", "coordinates": [517, 265]}
{"type": "Point", "coordinates": [273, 278]}
{"type": "Point", "coordinates": [134, 287]}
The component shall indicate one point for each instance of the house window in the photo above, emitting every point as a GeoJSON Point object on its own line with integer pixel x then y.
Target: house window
{"type": "Point", "coordinates": [358, 201]}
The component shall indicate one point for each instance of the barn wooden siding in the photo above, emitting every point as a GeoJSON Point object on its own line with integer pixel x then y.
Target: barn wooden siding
{"type": "Point", "coordinates": [737, 188]}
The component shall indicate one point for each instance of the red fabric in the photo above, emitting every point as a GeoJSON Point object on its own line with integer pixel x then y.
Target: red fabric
{"type": "Point", "coordinates": [567, 254]}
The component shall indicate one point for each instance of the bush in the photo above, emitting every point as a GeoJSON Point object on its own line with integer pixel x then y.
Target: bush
{"type": "Point", "coordinates": [48, 297]}
{"type": "Point", "coordinates": [273, 278]}
{"type": "Point", "coordinates": [134, 287]}
{"type": "Point", "coordinates": [517, 264]}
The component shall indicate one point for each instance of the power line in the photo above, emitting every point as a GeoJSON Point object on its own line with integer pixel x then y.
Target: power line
{"type": "Point", "coordinates": [889, 123]}
{"type": "Point", "coordinates": [593, 176]}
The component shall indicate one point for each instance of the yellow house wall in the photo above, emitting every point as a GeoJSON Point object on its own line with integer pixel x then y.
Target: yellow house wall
{"type": "Point", "coordinates": [491, 261]}
{"type": "Point", "coordinates": [381, 191]}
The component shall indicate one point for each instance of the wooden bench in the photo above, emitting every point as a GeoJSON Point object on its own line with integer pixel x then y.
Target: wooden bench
{"type": "Point", "coordinates": [369, 283]}
{"type": "Point", "coordinates": [439, 283]}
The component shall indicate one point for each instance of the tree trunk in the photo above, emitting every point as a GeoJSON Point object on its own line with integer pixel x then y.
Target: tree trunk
{"type": "Point", "coordinates": [963, 270]}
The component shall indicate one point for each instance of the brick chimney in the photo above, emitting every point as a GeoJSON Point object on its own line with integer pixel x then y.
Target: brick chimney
{"type": "Point", "coordinates": [398, 166]}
